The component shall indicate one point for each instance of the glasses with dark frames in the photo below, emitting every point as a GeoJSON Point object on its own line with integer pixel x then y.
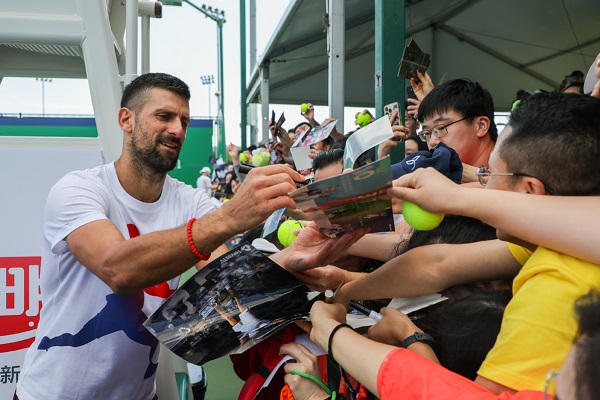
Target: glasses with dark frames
{"type": "Point", "coordinates": [439, 131]}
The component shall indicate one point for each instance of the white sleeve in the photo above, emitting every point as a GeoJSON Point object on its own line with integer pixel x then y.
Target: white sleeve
{"type": "Point", "coordinates": [73, 201]}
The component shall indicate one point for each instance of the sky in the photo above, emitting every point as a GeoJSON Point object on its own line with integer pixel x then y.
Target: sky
{"type": "Point", "coordinates": [183, 43]}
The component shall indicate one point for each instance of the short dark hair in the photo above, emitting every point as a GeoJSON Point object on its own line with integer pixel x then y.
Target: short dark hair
{"type": "Point", "coordinates": [556, 138]}
{"type": "Point", "coordinates": [327, 157]}
{"type": "Point", "coordinates": [465, 97]}
{"type": "Point", "coordinates": [465, 330]}
{"type": "Point", "coordinates": [300, 124]}
{"type": "Point", "coordinates": [421, 145]}
{"type": "Point", "coordinates": [135, 94]}
{"type": "Point", "coordinates": [587, 366]}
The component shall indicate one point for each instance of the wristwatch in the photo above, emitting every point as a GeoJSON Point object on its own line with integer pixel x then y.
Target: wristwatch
{"type": "Point", "coordinates": [418, 337]}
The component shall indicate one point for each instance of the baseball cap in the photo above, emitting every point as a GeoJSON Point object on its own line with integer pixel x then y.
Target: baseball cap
{"type": "Point", "coordinates": [205, 169]}
{"type": "Point", "coordinates": [441, 157]}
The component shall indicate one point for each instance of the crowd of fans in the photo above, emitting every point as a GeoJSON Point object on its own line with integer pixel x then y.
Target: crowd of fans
{"type": "Point", "coordinates": [518, 262]}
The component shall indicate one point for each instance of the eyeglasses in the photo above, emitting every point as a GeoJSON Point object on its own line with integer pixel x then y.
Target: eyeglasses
{"type": "Point", "coordinates": [484, 176]}
{"type": "Point", "coordinates": [550, 383]}
{"type": "Point", "coordinates": [439, 131]}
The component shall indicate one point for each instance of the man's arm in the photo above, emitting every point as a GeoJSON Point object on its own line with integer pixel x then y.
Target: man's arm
{"type": "Point", "coordinates": [128, 265]}
{"type": "Point", "coordinates": [534, 219]}
{"type": "Point", "coordinates": [433, 268]}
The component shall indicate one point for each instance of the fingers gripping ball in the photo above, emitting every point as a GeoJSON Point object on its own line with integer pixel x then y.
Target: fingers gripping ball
{"type": "Point", "coordinates": [363, 119]}
{"type": "Point", "coordinates": [420, 219]}
{"type": "Point", "coordinates": [285, 233]}
{"type": "Point", "coordinates": [261, 159]}
{"type": "Point", "coordinates": [303, 108]}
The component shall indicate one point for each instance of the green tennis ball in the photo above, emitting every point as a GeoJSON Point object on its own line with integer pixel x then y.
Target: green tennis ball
{"type": "Point", "coordinates": [285, 233]}
{"type": "Point", "coordinates": [261, 159]}
{"type": "Point", "coordinates": [420, 219]}
{"type": "Point", "coordinates": [363, 119]}
{"type": "Point", "coordinates": [243, 157]}
{"type": "Point", "coordinates": [303, 108]}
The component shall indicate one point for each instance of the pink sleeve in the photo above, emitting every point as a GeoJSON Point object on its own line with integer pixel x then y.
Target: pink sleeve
{"type": "Point", "coordinates": [415, 377]}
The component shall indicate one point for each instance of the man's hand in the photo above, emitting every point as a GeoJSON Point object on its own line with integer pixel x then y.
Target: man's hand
{"type": "Point", "coordinates": [334, 132]}
{"type": "Point", "coordinates": [232, 150]}
{"type": "Point", "coordinates": [393, 328]}
{"type": "Point", "coordinates": [400, 133]}
{"type": "Point", "coordinates": [310, 115]}
{"type": "Point", "coordinates": [313, 249]}
{"type": "Point", "coordinates": [413, 108]}
{"type": "Point", "coordinates": [429, 189]}
{"type": "Point", "coordinates": [423, 87]}
{"type": "Point", "coordinates": [323, 278]}
{"type": "Point", "coordinates": [304, 361]}
{"type": "Point", "coordinates": [324, 317]}
{"type": "Point", "coordinates": [264, 191]}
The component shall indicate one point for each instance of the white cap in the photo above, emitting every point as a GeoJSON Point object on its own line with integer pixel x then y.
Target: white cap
{"type": "Point", "coordinates": [205, 169]}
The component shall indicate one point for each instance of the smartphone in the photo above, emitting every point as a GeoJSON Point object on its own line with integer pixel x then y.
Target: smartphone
{"type": "Point", "coordinates": [389, 110]}
{"type": "Point", "coordinates": [410, 93]}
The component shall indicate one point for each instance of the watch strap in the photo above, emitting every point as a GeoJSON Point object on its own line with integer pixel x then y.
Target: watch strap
{"type": "Point", "coordinates": [418, 337]}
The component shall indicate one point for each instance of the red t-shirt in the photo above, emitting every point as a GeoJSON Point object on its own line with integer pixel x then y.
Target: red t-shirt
{"type": "Point", "coordinates": [407, 375]}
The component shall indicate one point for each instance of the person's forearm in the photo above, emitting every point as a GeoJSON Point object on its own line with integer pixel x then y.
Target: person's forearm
{"type": "Point", "coordinates": [565, 224]}
{"type": "Point", "coordinates": [377, 246]}
{"type": "Point", "coordinates": [433, 268]}
{"type": "Point", "coordinates": [156, 257]}
{"type": "Point", "coordinates": [357, 355]}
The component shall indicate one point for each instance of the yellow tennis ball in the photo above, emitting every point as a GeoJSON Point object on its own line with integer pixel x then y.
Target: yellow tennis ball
{"type": "Point", "coordinates": [285, 233]}
{"type": "Point", "coordinates": [420, 219]}
{"type": "Point", "coordinates": [363, 119]}
{"type": "Point", "coordinates": [243, 157]}
{"type": "Point", "coordinates": [303, 107]}
{"type": "Point", "coordinates": [261, 159]}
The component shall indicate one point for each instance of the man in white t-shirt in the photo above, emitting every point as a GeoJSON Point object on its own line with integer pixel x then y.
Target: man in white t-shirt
{"type": "Point", "coordinates": [116, 239]}
{"type": "Point", "coordinates": [204, 183]}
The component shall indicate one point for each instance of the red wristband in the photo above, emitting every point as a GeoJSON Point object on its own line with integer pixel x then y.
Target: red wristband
{"type": "Point", "coordinates": [191, 242]}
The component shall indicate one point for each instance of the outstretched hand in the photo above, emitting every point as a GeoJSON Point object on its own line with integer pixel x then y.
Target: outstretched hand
{"type": "Point", "coordinates": [423, 86]}
{"type": "Point", "coordinates": [429, 189]}
{"type": "Point", "coordinates": [314, 249]}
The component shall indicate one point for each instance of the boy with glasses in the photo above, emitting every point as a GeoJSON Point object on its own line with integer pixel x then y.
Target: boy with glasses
{"type": "Point", "coordinates": [460, 114]}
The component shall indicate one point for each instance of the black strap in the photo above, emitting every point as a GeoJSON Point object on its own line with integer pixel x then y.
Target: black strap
{"type": "Point", "coordinates": [334, 371]}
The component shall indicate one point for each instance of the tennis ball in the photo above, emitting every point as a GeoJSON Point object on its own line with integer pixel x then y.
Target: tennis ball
{"type": "Point", "coordinates": [243, 157]}
{"type": "Point", "coordinates": [261, 159]}
{"type": "Point", "coordinates": [303, 108]}
{"type": "Point", "coordinates": [363, 119]}
{"type": "Point", "coordinates": [420, 219]}
{"type": "Point", "coordinates": [285, 233]}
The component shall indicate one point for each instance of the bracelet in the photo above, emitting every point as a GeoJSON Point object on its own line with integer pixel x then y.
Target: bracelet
{"type": "Point", "coordinates": [191, 242]}
{"type": "Point", "coordinates": [330, 354]}
{"type": "Point", "coordinates": [418, 337]}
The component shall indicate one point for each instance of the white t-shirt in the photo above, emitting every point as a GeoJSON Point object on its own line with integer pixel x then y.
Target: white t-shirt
{"type": "Point", "coordinates": [90, 342]}
{"type": "Point", "coordinates": [204, 183]}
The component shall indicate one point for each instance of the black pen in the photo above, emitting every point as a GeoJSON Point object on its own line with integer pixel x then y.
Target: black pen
{"type": "Point", "coordinates": [374, 315]}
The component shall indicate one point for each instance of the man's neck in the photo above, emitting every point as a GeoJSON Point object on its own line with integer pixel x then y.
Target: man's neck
{"type": "Point", "coordinates": [145, 187]}
{"type": "Point", "coordinates": [484, 154]}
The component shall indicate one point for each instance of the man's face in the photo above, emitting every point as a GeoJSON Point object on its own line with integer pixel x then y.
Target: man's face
{"type": "Point", "coordinates": [410, 146]}
{"type": "Point", "coordinates": [159, 131]}
{"type": "Point", "coordinates": [462, 136]}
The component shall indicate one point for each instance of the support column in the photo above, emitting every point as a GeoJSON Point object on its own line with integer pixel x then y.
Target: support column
{"type": "Point", "coordinates": [264, 102]}
{"type": "Point", "coordinates": [336, 50]}
{"type": "Point", "coordinates": [389, 44]}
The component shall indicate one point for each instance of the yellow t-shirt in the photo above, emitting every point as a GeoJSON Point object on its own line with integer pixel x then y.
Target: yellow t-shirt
{"type": "Point", "coordinates": [539, 324]}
